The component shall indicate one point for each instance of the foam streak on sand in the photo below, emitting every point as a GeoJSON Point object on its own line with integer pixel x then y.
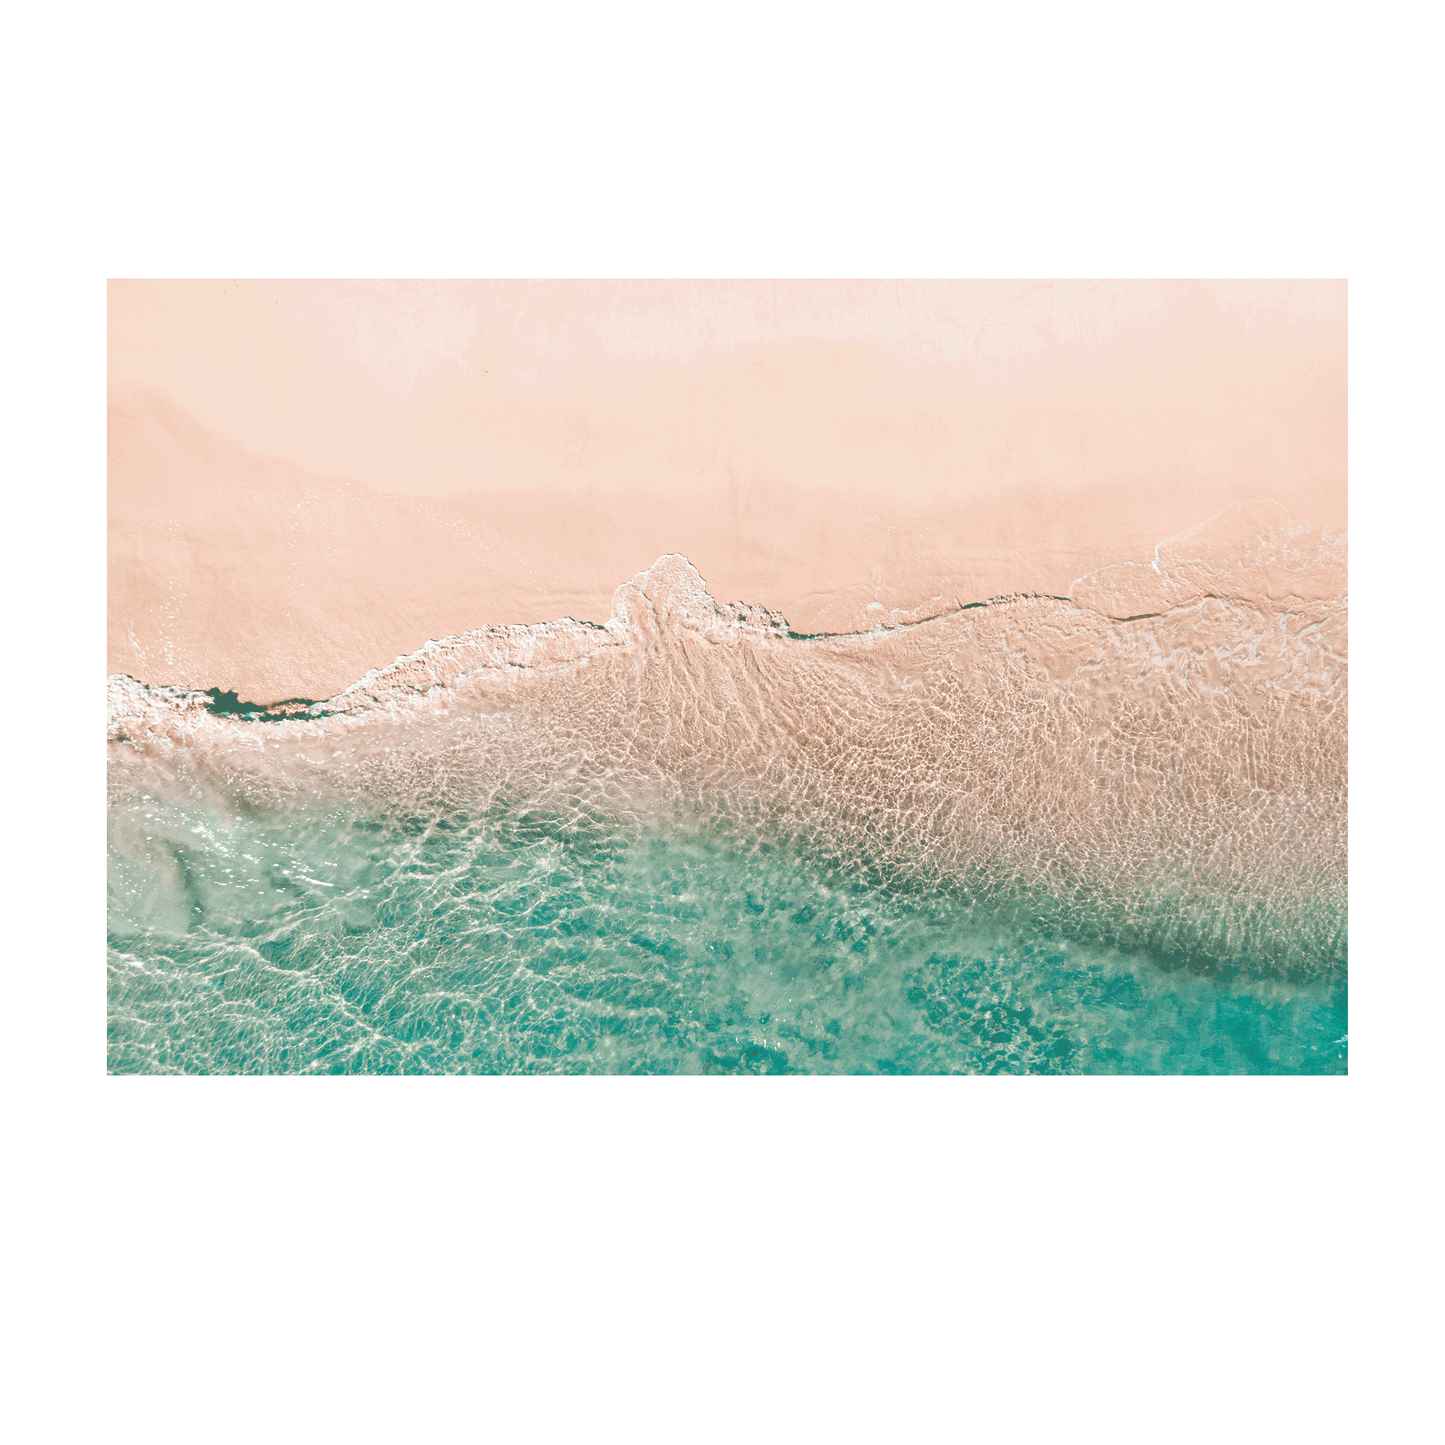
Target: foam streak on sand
{"type": "Point", "coordinates": [1151, 770]}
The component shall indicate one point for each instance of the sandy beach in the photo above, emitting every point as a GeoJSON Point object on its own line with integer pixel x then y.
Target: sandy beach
{"type": "Point", "coordinates": [308, 479]}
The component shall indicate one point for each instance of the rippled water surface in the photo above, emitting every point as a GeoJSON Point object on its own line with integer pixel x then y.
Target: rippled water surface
{"type": "Point", "coordinates": [518, 942]}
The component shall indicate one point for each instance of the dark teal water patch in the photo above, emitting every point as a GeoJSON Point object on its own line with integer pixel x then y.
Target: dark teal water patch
{"type": "Point", "coordinates": [508, 940]}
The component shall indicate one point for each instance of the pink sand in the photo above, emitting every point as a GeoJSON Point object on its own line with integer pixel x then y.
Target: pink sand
{"type": "Point", "coordinates": [308, 479]}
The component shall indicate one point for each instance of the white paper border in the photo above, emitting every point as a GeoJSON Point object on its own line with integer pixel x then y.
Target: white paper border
{"type": "Point", "coordinates": [84, 1096]}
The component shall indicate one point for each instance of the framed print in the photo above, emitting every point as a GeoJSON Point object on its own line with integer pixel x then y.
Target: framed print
{"type": "Point", "coordinates": [726, 679]}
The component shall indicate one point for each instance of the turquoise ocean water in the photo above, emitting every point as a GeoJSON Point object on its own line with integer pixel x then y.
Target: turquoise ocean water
{"type": "Point", "coordinates": [514, 940]}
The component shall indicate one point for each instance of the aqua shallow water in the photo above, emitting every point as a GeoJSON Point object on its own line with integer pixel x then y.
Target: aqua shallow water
{"type": "Point", "coordinates": [1036, 835]}
{"type": "Point", "coordinates": [518, 941]}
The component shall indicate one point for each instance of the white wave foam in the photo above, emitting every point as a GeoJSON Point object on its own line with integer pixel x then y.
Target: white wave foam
{"type": "Point", "coordinates": [1254, 554]}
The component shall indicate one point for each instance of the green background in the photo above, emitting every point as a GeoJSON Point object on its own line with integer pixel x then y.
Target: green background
{"type": "Point", "coordinates": [676, 1286]}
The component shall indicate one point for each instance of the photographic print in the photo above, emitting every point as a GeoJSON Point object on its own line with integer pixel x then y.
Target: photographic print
{"type": "Point", "coordinates": [727, 677]}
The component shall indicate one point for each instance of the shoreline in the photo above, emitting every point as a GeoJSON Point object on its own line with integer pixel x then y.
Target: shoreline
{"type": "Point", "coordinates": [1255, 554]}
